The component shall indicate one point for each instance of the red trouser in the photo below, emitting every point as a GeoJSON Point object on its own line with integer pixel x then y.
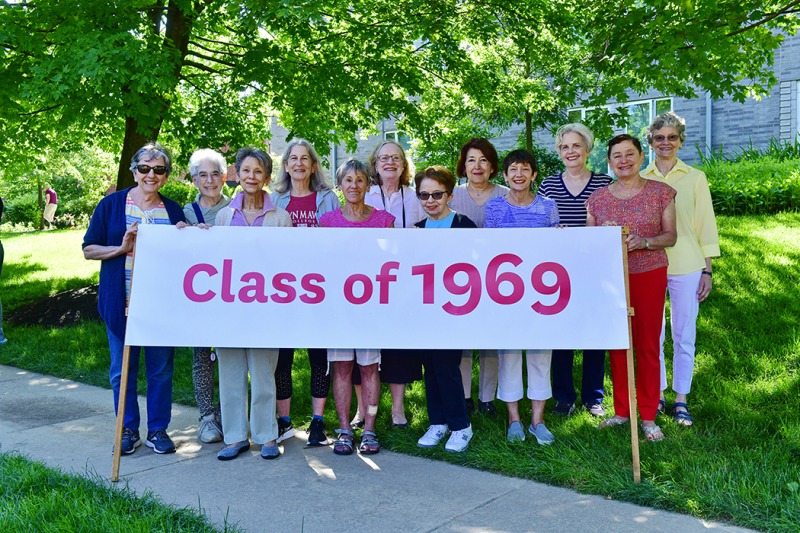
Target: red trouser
{"type": "Point", "coordinates": [648, 291]}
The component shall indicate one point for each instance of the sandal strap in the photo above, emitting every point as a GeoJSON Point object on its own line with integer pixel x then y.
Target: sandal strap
{"type": "Point", "coordinates": [344, 433]}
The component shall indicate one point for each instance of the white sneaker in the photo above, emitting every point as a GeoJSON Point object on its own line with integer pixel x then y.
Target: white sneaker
{"type": "Point", "coordinates": [210, 430]}
{"type": "Point", "coordinates": [432, 437]}
{"type": "Point", "coordinates": [459, 440]}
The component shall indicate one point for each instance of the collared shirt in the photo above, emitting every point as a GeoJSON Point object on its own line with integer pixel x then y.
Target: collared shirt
{"type": "Point", "coordinates": [398, 204]}
{"type": "Point", "coordinates": [238, 216]}
{"type": "Point", "coordinates": [696, 224]}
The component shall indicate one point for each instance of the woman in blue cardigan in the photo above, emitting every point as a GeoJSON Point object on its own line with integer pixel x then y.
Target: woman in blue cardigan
{"type": "Point", "coordinates": [109, 239]}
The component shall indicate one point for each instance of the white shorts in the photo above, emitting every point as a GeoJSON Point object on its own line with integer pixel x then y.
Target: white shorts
{"type": "Point", "coordinates": [363, 356]}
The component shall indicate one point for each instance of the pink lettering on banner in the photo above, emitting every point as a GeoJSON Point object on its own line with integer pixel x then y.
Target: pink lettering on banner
{"type": "Point", "coordinates": [349, 292]}
{"type": "Point", "coordinates": [562, 286]}
{"type": "Point", "coordinates": [252, 286]}
{"type": "Point", "coordinates": [188, 285]}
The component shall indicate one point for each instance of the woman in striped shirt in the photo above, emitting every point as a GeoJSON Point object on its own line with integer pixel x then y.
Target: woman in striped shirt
{"type": "Point", "coordinates": [570, 190]}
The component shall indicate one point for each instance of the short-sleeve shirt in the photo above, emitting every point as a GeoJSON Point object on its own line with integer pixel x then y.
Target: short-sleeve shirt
{"type": "Point", "coordinates": [571, 209]}
{"type": "Point", "coordinates": [641, 213]}
{"type": "Point", "coordinates": [541, 213]}
{"type": "Point", "coordinates": [463, 203]}
{"type": "Point", "coordinates": [303, 210]}
{"type": "Point", "coordinates": [133, 213]}
{"type": "Point", "coordinates": [378, 219]}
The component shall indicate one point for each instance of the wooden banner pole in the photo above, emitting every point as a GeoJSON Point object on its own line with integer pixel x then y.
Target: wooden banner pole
{"type": "Point", "coordinates": [123, 389]}
{"type": "Point", "coordinates": [634, 417]}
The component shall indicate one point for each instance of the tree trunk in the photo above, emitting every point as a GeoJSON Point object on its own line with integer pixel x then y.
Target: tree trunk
{"type": "Point", "coordinates": [134, 139]}
{"type": "Point", "coordinates": [528, 131]}
{"type": "Point", "coordinates": [41, 203]}
{"type": "Point", "coordinates": [178, 30]}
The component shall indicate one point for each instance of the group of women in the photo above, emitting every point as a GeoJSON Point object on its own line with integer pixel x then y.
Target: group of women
{"type": "Point", "coordinates": [672, 239]}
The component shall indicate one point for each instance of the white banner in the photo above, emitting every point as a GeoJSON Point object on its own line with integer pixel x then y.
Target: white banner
{"type": "Point", "coordinates": [378, 288]}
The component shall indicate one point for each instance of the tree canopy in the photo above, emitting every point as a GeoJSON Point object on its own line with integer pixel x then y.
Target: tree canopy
{"type": "Point", "coordinates": [114, 74]}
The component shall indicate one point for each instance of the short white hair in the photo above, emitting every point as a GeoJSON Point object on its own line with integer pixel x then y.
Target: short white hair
{"type": "Point", "coordinates": [580, 129]}
{"type": "Point", "coordinates": [207, 154]}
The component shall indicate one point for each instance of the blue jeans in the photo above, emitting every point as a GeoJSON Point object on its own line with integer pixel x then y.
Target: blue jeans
{"type": "Point", "coordinates": [158, 365]}
{"type": "Point", "coordinates": [592, 382]}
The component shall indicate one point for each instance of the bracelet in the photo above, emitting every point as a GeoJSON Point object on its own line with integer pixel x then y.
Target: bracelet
{"type": "Point", "coordinates": [646, 243]}
{"type": "Point", "coordinates": [708, 273]}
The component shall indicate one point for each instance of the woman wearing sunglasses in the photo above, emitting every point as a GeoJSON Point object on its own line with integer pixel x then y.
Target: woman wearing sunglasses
{"type": "Point", "coordinates": [110, 239]}
{"type": "Point", "coordinates": [444, 392]}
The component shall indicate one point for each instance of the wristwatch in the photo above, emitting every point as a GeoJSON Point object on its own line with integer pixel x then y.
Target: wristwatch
{"type": "Point", "coordinates": [708, 273]}
{"type": "Point", "coordinates": [646, 244]}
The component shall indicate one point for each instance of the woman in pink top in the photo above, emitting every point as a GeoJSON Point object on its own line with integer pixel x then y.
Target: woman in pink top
{"type": "Point", "coordinates": [647, 207]}
{"type": "Point", "coordinates": [353, 179]}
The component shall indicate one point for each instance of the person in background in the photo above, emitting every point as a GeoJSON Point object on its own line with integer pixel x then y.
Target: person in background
{"type": "Point", "coordinates": [302, 191]}
{"type": "Point", "coordinates": [689, 271]}
{"type": "Point", "coordinates": [3, 339]}
{"type": "Point", "coordinates": [251, 208]}
{"type": "Point", "coordinates": [391, 191]}
{"type": "Point", "coordinates": [352, 178]}
{"type": "Point", "coordinates": [570, 190]}
{"type": "Point", "coordinates": [647, 207]}
{"type": "Point", "coordinates": [110, 239]}
{"type": "Point", "coordinates": [207, 168]}
{"type": "Point", "coordinates": [521, 208]}
{"type": "Point", "coordinates": [50, 205]}
{"type": "Point", "coordinates": [478, 163]}
{"type": "Point", "coordinates": [444, 396]}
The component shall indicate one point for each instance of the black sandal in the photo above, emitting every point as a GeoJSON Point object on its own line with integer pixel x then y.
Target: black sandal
{"type": "Point", "coordinates": [369, 443]}
{"type": "Point", "coordinates": [345, 444]}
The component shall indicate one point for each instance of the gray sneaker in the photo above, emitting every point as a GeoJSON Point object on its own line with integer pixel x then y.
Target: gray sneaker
{"type": "Point", "coordinates": [542, 434]}
{"type": "Point", "coordinates": [516, 432]}
{"type": "Point", "coordinates": [210, 430]}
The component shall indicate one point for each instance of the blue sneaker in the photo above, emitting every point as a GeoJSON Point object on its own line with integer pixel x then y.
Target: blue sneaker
{"type": "Point", "coordinates": [542, 434]}
{"type": "Point", "coordinates": [130, 441]}
{"type": "Point", "coordinates": [516, 432]}
{"type": "Point", "coordinates": [160, 442]}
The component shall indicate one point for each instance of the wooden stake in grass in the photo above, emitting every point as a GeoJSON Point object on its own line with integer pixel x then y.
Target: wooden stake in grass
{"type": "Point", "coordinates": [637, 473]}
{"type": "Point", "coordinates": [123, 389]}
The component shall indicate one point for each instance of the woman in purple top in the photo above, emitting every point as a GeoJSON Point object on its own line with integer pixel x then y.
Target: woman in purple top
{"type": "Point", "coordinates": [570, 190]}
{"type": "Point", "coordinates": [253, 208]}
{"type": "Point", "coordinates": [353, 179]}
{"type": "Point", "coordinates": [521, 208]}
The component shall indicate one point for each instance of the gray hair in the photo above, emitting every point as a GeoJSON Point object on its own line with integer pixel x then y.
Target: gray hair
{"type": "Point", "coordinates": [351, 165]}
{"type": "Point", "coordinates": [668, 119]}
{"type": "Point", "coordinates": [372, 162]}
{"type": "Point", "coordinates": [206, 154]}
{"type": "Point", "coordinates": [580, 129]}
{"type": "Point", "coordinates": [152, 150]}
{"type": "Point", "coordinates": [260, 155]}
{"type": "Point", "coordinates": [284, 181]}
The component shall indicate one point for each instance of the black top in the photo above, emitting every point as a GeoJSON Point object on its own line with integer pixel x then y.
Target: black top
{"type": "Point", "coordinates": [459, 221]}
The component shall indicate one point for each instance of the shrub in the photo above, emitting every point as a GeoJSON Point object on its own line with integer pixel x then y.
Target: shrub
{"type": "Point", "coordinates": [754, 185]}
{"type": "Point", "coordinates": [22, 210]}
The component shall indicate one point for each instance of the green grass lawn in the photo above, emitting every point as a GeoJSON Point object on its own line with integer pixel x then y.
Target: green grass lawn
{"type": "Point", "coordinates": [739, 463]}
{"type": "Point", "coordinates": [31, 493]}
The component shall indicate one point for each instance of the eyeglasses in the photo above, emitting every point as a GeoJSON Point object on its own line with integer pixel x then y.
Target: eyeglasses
{"type": "Point", "coordinates": [393, 158]}
{"type": "Point", "coordinates": [205, 176]}
{"type": "Point", "coordinates": [435, 195]}
{"type": "Point", "coordinates": [159, 170]}
{"type": "Point", "coordinates": [671, 138]}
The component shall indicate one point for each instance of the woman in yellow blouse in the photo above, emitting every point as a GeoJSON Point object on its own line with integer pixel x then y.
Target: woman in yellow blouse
{"type": "Point", "coordinates": [689, 273]}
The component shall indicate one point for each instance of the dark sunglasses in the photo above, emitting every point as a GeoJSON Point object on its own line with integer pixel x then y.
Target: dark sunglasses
{"type": "Point", "coordinates": [436, 195]}
{"type": "Point", "coordinates": [159, 170]}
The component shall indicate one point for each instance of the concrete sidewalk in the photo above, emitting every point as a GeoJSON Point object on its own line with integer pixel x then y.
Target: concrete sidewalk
{"type": "Point", "coordinates": [71, 426]}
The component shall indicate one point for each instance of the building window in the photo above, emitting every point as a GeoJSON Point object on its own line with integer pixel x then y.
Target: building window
{"type": "Point", "coordinates": [400, 137]}
{"type": "Point", "coordinates": [641, 114]}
